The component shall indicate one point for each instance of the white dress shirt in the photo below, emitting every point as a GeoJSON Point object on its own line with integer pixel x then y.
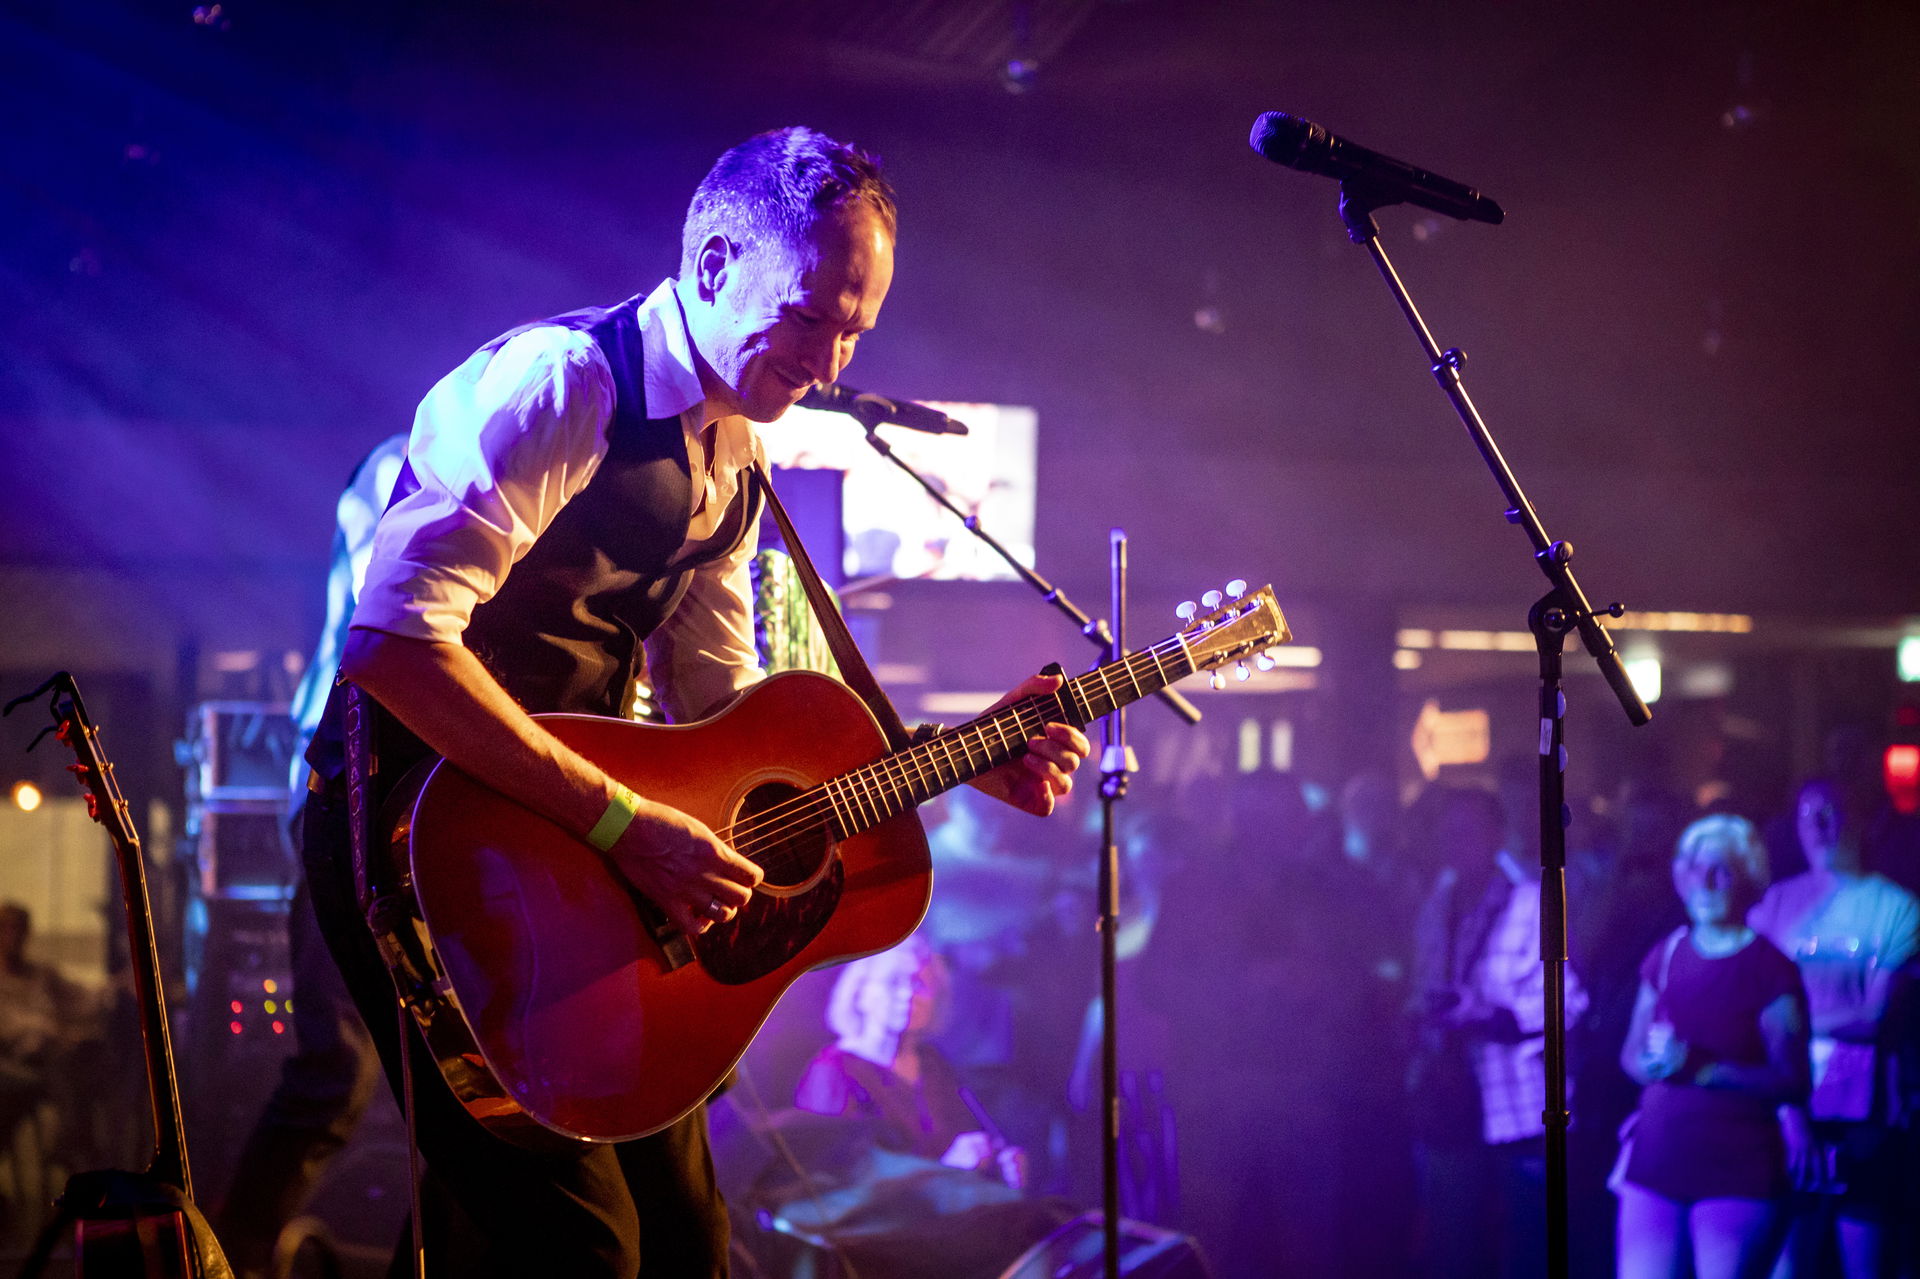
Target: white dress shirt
{"type": "Point", "coordinates": [506, 440]}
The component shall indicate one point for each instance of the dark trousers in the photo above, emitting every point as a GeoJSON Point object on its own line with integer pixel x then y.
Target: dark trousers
{"type": "Point", "coordinates": [649, 1206]}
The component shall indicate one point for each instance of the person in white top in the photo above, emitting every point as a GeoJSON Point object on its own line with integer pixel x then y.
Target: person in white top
{"type": "Point", "coordinates": [546, 525]}
{"type": "Point", "coordinates": [1849, 930]}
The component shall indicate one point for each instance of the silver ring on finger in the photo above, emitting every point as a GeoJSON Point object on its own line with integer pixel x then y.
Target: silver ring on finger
{"type": "Point", "coordinates": [716, 909]}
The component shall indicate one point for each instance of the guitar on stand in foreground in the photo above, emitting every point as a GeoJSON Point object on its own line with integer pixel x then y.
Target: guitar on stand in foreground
{"type": "Point", "coordinates": [128, 1225]}
{"type": "Point", "coordinates": [561, 1006]}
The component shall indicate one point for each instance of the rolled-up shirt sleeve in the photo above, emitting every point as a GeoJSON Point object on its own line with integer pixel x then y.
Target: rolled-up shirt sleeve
{"type": "Point", "coordinates": [498, 447]}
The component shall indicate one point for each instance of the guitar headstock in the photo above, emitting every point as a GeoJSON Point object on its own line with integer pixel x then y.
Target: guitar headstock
{"type": "Point", "coordinates": [1239, 625]}
{"type": "Point", "coordinates": [73, 729]}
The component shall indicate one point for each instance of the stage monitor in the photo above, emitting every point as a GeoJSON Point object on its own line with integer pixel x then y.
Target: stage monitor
{"type": "Point", "coordinates": [893, 528]}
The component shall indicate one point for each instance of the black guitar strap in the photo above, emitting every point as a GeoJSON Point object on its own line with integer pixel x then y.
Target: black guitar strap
{"type": "Point", "coordinates": [853, 667]}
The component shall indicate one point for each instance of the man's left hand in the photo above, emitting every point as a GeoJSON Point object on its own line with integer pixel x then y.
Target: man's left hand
{"type": "Point", "coordinates": [1045, 773]}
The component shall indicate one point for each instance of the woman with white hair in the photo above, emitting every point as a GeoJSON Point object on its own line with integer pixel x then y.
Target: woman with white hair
{"type": "Point", "coordinates": [880, 1067]}
{"type": "Point", "coordinates": [1719, 1039]}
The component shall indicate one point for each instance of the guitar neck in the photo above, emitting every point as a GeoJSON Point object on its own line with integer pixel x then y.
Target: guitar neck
{"type": "Point", "coordinates": [169, 1129]}
{"type": "Point", "coordinates": [868, 796]}
{"type": "Point", "coordinates": [110, 808]}
{"type": "Point", "coordinates": [863, 798]}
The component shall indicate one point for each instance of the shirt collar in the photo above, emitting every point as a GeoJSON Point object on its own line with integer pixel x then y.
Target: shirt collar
{"type": "Point", "coordinates": [668, 378]}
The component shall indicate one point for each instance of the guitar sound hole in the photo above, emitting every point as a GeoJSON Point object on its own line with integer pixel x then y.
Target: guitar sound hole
{"type": "Point", "coordinates": [790, 846]}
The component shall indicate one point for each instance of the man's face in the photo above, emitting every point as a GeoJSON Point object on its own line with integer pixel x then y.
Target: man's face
{"type": "Point", "coordinates": [768, 328]}
{"type": "Point", "coordinates": [1821, 818]}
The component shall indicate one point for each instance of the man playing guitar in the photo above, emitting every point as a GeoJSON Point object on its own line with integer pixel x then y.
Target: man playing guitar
{"type": "Point", "coordinates": [573, 492]}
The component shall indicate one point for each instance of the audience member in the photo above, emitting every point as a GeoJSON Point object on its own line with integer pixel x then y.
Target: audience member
{"type": "Point", "coordinates": [1850, 931]}
{"type": "Point", "coordinates": [928, 1187]}
{"type": "Point", "coordinates": [1477, 1080]}
{"type": "Point", "coordinates": [881, 1066]}
{"type": "Point", "coordinates": [1719, 1039]}
{"type": "Point", "coordinates": [43, 1019]}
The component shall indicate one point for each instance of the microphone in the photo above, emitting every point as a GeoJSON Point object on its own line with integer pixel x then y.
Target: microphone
{"type": "Point", "coordinates": [1304, 145]}
{"type": "Point", "coordinates": [877, 410]}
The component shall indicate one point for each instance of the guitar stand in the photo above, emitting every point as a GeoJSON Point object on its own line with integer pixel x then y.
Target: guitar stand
{"type": "Point", "coordinates": [145, 1215]}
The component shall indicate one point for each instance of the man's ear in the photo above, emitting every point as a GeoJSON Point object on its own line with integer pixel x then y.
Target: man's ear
{"type": "Point", "coordinates": [710, 267]}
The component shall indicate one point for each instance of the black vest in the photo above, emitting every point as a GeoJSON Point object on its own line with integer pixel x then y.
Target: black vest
{"type": "Point", "coordinates": [564, 632]}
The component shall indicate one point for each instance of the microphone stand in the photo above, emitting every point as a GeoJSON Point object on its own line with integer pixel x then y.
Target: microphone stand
{"type": "Point", "coordinates": [1563, 609]}
{"type": "Point", "coordinates": [1117, 764]}
{"type": "Point", "coordinates": [1093, 628]}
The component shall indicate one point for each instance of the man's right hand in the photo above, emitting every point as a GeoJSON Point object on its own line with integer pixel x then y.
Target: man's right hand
{"type": "Point", "coordinates": [681, 866]}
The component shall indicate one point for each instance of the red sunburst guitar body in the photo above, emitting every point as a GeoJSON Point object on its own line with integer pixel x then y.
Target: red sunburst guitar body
{"type": "Point", "coordinates": [568, 991]}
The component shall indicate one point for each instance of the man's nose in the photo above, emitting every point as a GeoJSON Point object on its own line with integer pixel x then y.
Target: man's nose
{"type": "Point", "coordinates": [822, 360]}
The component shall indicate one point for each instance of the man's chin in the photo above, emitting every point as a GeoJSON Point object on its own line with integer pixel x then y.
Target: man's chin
{"type": "Point", "coordinates": [772, 408]}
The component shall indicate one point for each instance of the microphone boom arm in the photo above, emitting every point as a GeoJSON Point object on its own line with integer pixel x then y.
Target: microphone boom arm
{"type": "Point", "coordinates": [1094, 629]}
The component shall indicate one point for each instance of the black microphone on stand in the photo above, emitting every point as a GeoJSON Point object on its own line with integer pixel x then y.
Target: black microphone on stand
{"type": "Point", "coordinates": [1304, 145]}
{"type": "Point", "coordinates": [877, 410]}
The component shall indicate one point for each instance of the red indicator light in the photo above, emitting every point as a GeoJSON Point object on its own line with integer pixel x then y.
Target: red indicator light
{"type": "Point", "coordinates": [234, 1026]}
{"type": "Point", "coordinates": [279, 1027]}
{"type": "Point", "coordinates": [235, 1007]}
{"type": "Point", "coordinates": [1901, 769]}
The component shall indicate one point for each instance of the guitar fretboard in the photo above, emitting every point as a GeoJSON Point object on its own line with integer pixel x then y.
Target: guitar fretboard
{"type": "Point", "coordinates": [861, 799]}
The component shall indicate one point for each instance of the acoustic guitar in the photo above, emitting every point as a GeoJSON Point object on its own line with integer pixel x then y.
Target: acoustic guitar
{"type": "Point", "coordinates": [562, 1007]}
{"type": "Point", "coordinates": [129, 1225]}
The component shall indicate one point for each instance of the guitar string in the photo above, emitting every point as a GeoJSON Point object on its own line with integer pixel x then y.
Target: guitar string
{"type": "Point", "coordinates": [817, 807]}
{"type": "Point", "coordinates": [759, 821]}
{"type": "Point", "coordinates": [877, 787]}
{"type": "Point", "coordinates": [870, 789]}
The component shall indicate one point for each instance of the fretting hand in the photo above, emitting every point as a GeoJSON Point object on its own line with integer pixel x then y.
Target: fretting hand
{"type": "Point", "coordinates": [1044, 774]}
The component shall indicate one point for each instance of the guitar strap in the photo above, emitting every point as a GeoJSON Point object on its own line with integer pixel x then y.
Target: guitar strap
{"type": "Point", "coordinates": [853, 667]}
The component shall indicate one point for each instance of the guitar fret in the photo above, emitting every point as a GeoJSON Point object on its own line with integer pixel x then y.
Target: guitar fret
{"type": "Point", "coordinates": [838, 809]}
{"type": "Point", "coordinates": [929, 768]}
{"type": "Point", "coordinates": [902, 777]}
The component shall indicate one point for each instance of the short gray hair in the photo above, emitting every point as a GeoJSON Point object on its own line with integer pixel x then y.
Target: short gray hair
{"type": "Point", "coordinates": [769, 191]}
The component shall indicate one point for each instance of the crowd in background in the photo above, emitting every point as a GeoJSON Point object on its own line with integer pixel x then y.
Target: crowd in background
{"type": "Point", "coordinates": [1331, 1005]}
{"type": "Point", "coordinates": [1330, 1014]}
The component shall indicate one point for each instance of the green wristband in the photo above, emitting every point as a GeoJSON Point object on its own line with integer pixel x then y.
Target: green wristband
{"type": "Point", "coordinates": [613, 823]}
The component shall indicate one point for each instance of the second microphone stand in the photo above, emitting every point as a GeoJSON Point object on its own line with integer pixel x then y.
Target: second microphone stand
{"type": "Point", "coordinates": [1117, 764]}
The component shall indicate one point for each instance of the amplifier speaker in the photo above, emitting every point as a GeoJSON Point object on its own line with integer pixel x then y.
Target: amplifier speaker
{"type": "Point", "coordinates": [1077, 1251]}
{"type": "Point", "coordinates": [239, 1025]}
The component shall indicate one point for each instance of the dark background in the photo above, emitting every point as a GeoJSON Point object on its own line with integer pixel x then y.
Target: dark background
{"type": "Point", "coordinates": [237, 251]}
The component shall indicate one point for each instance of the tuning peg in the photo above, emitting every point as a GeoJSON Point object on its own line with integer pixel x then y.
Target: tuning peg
{"type": "Point", "coordinates": [1212, 599]}
{"type": "Point", "coordinates": [1264, 662]}
{"type": "Point", "coordinates": [1216, 680]}
{"type": "Point", "coordinates": [1241, 673]}
{"type": "Point", "coordinates": [1186, 610]}
{"type": "Point", "coordinates": [1236, 588]}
